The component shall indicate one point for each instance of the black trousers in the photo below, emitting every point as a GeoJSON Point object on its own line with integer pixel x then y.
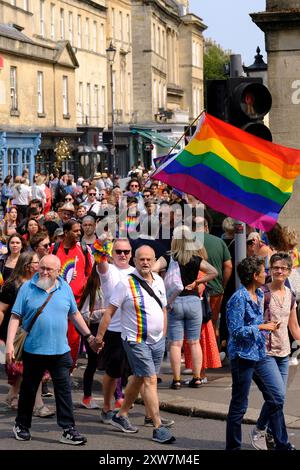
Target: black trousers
{"type": "Point", "coordinates": [34, 366]}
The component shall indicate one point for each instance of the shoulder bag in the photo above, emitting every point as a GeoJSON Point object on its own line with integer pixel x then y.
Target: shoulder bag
{"type": "Point", "coordinates": [173, 281]}
{"type": "Point", "coordinates": [147, 288]}
{"type": "Point", "coordinates": [22, 334]}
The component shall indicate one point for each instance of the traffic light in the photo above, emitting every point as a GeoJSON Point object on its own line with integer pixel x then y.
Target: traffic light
{"type": "Point", "coordinates": [242, 102]}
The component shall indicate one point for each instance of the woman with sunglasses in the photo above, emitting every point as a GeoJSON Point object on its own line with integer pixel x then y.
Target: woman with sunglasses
{"type": "Point", "coordinates": [40, 244]}
{"type": "Point", "coordinates": [279, 306]}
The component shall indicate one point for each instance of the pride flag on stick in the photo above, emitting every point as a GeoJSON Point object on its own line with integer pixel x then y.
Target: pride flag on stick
{"type": "Point", "coordinates": [234, 172]}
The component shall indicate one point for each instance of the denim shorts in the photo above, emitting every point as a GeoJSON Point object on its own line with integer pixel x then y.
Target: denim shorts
{"type": "Point", "coordinates": [145, 359]}
{"type": "Point", "coordinates": [185, 318]}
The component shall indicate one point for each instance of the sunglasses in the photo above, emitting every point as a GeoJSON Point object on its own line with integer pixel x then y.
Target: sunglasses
{"type": "Point", "coordinates": [85, 186]}
{"type": "Point", "coordinates": [119, 252]}
{"type": "Point", "coordinates": [134, 185]}
{"type": "Point", "coordinates": [92, 194]}
{"type": "Point", "coordinates": [46, 245]}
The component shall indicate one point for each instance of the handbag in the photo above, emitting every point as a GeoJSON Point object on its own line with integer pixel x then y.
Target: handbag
{"type": "Point", "coordinates": [173, 281]}
{"type": "Point", "coordinates": [206, 309]}
{"type": "Point", "coordinates": [22, 334]}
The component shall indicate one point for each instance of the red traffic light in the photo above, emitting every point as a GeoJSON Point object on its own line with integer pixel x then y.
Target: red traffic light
{"type": "Point", "coordinates": [252, 99]}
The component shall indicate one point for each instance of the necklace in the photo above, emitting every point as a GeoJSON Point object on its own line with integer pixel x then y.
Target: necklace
{"type": "Point", "coordinates": [279, 301]}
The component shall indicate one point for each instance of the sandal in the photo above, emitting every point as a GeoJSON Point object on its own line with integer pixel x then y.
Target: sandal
{"type": "Point", "coordinates": [195, 382]}
{"type": "Point", "coordinates": [12, 402]}
{"type": "Point", "coordinates": [175, 385]}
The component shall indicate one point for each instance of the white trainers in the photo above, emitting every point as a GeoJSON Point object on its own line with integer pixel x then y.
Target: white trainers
{"type": "Point", "coordinates": [258, 439]}
{"type": "Point", "coordinates": [293, 361]}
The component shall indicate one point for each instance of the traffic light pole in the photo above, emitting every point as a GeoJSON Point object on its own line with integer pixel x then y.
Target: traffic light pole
{"type": "Point", "coordinates": [239, 227]}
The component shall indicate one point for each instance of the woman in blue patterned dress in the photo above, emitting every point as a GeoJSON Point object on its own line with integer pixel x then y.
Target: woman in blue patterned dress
{"type": "Point", "coordinates": [247, 354]}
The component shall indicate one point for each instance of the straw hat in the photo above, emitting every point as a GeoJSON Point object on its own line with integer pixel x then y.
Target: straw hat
{"type": "Point", "coordinates": [97, 176]}
{"type": "Point", "coordinates": [67, 207]}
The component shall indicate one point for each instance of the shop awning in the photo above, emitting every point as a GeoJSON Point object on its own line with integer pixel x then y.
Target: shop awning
{"type": "Point", "coordinates": [154, 137]}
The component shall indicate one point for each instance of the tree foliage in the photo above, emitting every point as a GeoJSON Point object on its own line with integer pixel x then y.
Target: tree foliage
{"type": "Point", "coordinates": [215, 59]}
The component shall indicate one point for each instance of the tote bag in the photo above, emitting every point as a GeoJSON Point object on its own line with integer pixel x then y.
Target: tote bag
{"type": "Point", "coordinates": [173, 282]}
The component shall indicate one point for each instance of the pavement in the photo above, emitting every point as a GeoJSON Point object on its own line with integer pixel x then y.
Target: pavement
{"type": "Point", "coordinates": [211, 400]}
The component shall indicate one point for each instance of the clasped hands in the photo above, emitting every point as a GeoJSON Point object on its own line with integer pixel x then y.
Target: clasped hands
{"type": "Point", "coordinates": [97, 344]}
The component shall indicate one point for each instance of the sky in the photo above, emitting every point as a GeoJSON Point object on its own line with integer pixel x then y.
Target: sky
{"type": "Point", "coordinates": [229, 24]}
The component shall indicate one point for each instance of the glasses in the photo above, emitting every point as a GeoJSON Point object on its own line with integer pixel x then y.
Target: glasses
{"type": "Point", "coordinates": [280, 268]}
{"type": "Point", "coordinates": [85, 185]}
{"type": "Point", "coordinates": [46, 245]}
{"type": "Point", "coordinates": [48, 270]}
{"type": "Point", "coordinates": [92, 194]}
{"type": "Point", "coordinates": [126, 252]}
{"type": "Point", "coordinates": [134, 185]}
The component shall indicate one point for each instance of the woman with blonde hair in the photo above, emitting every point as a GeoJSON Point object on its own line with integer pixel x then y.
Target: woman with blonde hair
{"type": "Point", "coordinates": [185, 315]}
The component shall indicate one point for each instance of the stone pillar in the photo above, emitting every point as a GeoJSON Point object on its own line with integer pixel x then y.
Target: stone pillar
{"type": "Point", "coordinates": [281, 25]}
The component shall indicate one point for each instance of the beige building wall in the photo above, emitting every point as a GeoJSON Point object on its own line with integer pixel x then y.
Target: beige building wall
{"type": "Point", "coordinates": [167, 61]}
{"type": "Point", "coordinates": [84, 26]}
{"type": "Point", "coordinates": [119, 32]}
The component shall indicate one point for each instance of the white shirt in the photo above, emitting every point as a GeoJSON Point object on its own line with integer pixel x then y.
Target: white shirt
{"type": "Point", "coordinates": [109, 281]}
{"type": "Point", "coordinates": [22, 194]}
{"type": "Point", "coordinates": [142, 319]}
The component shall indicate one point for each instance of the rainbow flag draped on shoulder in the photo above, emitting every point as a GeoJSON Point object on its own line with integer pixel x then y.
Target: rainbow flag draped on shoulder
{"type": "Point", "coordinates": [234, 172]}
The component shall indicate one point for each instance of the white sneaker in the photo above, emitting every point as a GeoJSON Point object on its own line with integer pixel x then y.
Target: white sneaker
{"type": "Point", "coordinates": [258, 439]}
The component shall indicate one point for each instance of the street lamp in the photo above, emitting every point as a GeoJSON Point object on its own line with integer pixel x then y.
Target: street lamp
{"type": "Point", "coordinates": [110, 55]}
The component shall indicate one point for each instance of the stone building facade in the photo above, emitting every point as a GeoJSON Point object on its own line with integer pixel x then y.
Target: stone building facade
{"type": "Point", "coordinates": [281, 25]}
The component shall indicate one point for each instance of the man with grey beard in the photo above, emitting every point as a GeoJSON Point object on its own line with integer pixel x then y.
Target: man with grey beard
{"type": "Point", "coordinates": [46, 346]}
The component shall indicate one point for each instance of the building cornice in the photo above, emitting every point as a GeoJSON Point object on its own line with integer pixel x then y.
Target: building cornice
{"type": "Point", "coordinates": [276, 20]}
{"type": "Point", "coordinates": [93, 4]}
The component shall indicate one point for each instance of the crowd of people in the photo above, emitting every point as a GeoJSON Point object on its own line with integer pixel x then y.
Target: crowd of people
{"type": "Point", "coordinates": [82, 266]}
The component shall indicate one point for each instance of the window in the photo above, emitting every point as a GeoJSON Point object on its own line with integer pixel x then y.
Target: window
{"type": "Point", "coordinates": [26, 5]}
{"type": "Point", "coordinates": [40, 93]}
{"type": "Point", "coordinates": [52, 21]}
{"type": "Point", "coordinates": [80, 104]}
{"type": "Point", "coordinates": [121, 26]}
{"type": "Point", "coordinates": [13, 2]}
{"type": "Point", "coordinates": [155, 95]}
{"type": "Point", "coordinates": [153, 37]}
{"type": "Point", "coordinates": [102, 106]}
{"type": "Point", "coordinates": [42, 18]}
{"type": "Point", "coordinates": [95, 36]}
{"type": "Point", "coordinates": [96, 105]}
{"type": "Point", "coordinates": [13, 89]}
{"type": "Point", "coordinates": [87, 34]}
{"type": "Point", "coordinates": [122, 89]}
{"type": "Point", "coordinates": [88, 103]}
{"type": "Point", "coordinates": [113, 23]}
{"type": "Point", "coordinates": [79, 32]}
{"type": "Point", "coordinates": [163, 43]}
{"type": "Point", "coordinates": [62, 24]}
{"type": "Point", "coordinates": [65, 97]}
{"type": "Point", "coordinates": [129, 93]}
{"type": "Point", "coordinates": [128, 29]}
{"type": "Point", "coordinates": [71, 27]}
{"type": "Point", "coordinates": [101, 41]}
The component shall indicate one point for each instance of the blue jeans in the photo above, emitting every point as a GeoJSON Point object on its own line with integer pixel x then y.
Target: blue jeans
{"type": "Point", "coordinates": [185, 319]}
{"type": "Point", "coordinates": [242, 371]}
{"type": "Point", "coordinates": [280, 366]}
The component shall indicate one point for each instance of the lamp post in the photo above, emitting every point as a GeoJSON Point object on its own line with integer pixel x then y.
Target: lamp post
{"type": "Point", "coordinates": [110, 54]}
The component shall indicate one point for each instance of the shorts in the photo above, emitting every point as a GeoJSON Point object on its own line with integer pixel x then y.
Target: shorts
{"type": "Point", "coordinates": [185, 319]}
{"type": "Point", "coordinates": [145, 359]}
{"type": "Point", "coordinates": [113, 356]}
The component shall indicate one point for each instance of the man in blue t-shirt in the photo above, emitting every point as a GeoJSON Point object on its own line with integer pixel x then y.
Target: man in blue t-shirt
{"type": "Point", "coordinates": [46, 346]}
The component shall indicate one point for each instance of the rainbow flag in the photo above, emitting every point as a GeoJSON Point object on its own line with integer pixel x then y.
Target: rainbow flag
{"type": "Point", "coordinates": [234, 172]}
{"type": "Point", "coordinates": [1, 280]}
{"type": "Point", "coordinates": [67, 269]}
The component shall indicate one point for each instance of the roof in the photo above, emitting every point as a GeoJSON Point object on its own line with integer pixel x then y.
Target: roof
{"type": "Point", "coordinates": [11, 32]}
